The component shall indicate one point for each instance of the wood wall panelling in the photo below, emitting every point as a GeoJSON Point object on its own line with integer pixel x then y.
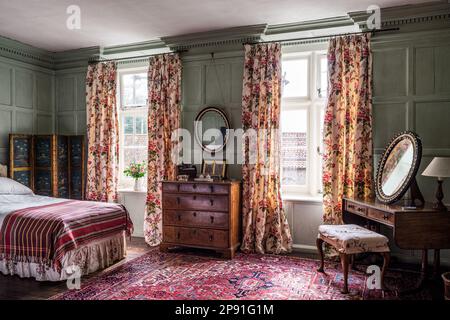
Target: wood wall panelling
{"type": "Point", "coordinates": [24, 122]}
{"type": "Point", "coordinates": [44, 124]}
{"type": "Point", "coordinates": [5, 85]}
{"type": "Point", "coordinates": [213, 84]}
{"type": "Point", "coordinates": [24, 87]}
{"type": "Point", "coordinates": [412, 92]}
{"type": "Point", "coordinates": [390, 72]}
{"type": "Point", "coordinates": [388, 120]}
{"type": "Point", "coordinates": [26, 101]}
{"type": "Point", "coordinates": [71, 102]}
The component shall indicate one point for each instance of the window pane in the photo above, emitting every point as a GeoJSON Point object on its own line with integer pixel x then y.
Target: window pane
{"type": "Point", "coordinates": [127, 90]}
{"type": "Point", "coordinates": [293, 148]}
{"type": "Point", "coordinates": [141, 89]}
{"type": "Point", "coordinates": [134, 155]}
{"type": "Point", "coordinates": [295, 78]}
{"type": "Point", "coordinates": [139, 125]}
{"type": "Point", "coordinates": [140, 140]}
{"type": "Point", "coordinates": [128, 126]}
{"type": "Point", "coordinates": [134, 89]}
{"type": "Point", "coordinates": [323, 77]}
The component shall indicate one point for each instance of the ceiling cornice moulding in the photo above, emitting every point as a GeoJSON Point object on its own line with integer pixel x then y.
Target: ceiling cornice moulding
{"type": "Point", "coordinates": [425, 15]}
{"type": "Point", "coordinates": [133, 47]}
{"type": "Point", "coordinates": [334, 22]}
{"type": "Point", "coordinates": [16, 50]}
{"type": "Point", "coordinates": [221, 37]}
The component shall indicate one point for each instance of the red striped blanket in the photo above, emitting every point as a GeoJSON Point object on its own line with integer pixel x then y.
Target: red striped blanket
{"type": "Point", "coordinates": [45, 234]}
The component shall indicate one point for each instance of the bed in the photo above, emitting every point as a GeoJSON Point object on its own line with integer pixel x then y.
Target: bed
{"type": "Point", "coordinates": [45, 238]}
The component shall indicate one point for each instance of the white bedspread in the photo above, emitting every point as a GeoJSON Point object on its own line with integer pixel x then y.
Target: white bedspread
{"type": "Point", "coordinates": [10, 203]}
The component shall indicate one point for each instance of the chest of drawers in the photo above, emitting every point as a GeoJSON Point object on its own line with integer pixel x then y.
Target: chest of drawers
{"type": "Point", "coordinates": [201, 215]}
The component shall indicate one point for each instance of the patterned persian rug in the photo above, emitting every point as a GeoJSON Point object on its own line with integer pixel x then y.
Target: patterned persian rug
{"type": "Point", "coordinates": [167, 276]}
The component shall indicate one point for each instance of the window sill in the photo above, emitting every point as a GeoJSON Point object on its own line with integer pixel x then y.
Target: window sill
{"type": "Point", "coordinates": [131, 191]}
{"type": "Point", "coordinates": [305, 198]}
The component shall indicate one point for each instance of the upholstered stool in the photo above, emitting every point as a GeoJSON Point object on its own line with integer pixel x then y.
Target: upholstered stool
{"type": "Point", "coordinates": [350, 239]}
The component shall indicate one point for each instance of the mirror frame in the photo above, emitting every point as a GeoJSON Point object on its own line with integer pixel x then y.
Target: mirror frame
{"type": "Point", "coordinates": [410, 178]}
{"type": "Point", "coordinates": [199, 117]}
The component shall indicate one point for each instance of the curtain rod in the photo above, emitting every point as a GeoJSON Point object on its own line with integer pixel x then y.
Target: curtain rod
{"type": "Point", "coordinates": [324, 36]}
{"type": "Point", "coordinates": [136, 57]}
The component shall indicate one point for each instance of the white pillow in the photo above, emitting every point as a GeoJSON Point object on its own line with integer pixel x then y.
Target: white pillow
{"type": "Point", "coordinates": [9, 186]}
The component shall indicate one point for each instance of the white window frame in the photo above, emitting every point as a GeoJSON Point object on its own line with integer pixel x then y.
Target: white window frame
{"type": "Point", "coordinates": [138, 110]}
{"type": "Point", "coordinates": [314, 105]}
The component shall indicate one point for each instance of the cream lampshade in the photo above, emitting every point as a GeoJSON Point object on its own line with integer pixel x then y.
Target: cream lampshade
{"type": "Point", "coordinates": [439, 167]}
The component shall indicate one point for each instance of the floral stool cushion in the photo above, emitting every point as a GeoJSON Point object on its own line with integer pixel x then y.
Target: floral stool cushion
{"type": "Point", "coordinates": [351, 239]}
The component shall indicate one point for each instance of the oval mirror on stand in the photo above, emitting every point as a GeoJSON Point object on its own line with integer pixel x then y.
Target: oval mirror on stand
{"type": "Point", "coordinates": [397, 169]}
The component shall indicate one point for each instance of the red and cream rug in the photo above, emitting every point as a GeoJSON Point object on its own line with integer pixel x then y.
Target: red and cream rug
{"type": "Point", "coordinates": [176, 276]}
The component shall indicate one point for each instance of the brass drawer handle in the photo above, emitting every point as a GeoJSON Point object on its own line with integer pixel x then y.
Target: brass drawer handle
{"type": "Point", "coordinates": [360, 209]}
{"type": "Point", "coordinates": [385, 217]}
{"type": "Point", "coordinates": [351, 206]}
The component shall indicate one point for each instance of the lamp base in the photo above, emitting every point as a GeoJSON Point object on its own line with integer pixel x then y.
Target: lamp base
{"type": "Point", "coordinates": [439, 205]}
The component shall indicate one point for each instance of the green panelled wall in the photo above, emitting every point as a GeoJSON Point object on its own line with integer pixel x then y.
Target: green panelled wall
{"type": "Point", "coordinates": [217, 83]}
{"type": "Point", "coordinates": [412, 92]}
{"type": "Point", "coordinates": [27, 101]}
{"type": "Point", "coordinates": [71, 101]}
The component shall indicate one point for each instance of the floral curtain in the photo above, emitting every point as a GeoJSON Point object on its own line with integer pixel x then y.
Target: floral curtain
{"type": "Point", "coordinates": [347, 161]}
{"type": "Point", "coordinates": [102, 132]}
{"type": "Point", "coordinates": [164, 93]}
{"type": "Point", "coordinates": [265, 227]}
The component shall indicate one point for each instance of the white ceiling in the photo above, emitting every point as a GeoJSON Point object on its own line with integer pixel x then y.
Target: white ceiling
{"type": "Point", "coordinates": [42, 23]}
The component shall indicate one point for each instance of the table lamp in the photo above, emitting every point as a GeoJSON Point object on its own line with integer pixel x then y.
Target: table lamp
{"type": "Point", "coordinates": [439, 167]}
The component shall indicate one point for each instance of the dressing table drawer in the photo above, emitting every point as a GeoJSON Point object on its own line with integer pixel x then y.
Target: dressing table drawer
{"type": "Point", "coordinates": [355, 208]}
{"type": "Point", "coordinates": [382, 217]}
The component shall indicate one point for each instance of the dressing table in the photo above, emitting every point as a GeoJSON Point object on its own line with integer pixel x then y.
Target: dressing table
{"type": "Point", "coordinates": [415, 224]}
{"type": "Point", "coordinates": [421, 229]}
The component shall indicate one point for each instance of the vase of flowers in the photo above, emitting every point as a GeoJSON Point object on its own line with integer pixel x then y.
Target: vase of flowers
{"type": "Point", "coordinates": [136, 171]}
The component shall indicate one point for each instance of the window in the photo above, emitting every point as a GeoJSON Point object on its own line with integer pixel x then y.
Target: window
{"type": "Point", "coordinates": [304, 92]}
{"type": "Point", "coordinates": [132, 121]}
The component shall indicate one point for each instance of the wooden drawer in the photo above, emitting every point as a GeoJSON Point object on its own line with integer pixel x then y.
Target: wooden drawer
{"type": "Point", "coordinates": [196, 218]}
{"type": "Point", "coordinates": [355, 208]}
{"type": "Point", "coordinates": [196, 237]}
{"type": "Point", "coordinates": [383, 217]}
{"type": "Point", "coordinates": [195, 202]}
{"type": "Point", "coordinates": [196, 188]}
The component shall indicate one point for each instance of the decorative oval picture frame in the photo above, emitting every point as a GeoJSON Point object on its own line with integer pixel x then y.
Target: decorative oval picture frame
{"type": "Point", "coordinates": [199, 117]}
